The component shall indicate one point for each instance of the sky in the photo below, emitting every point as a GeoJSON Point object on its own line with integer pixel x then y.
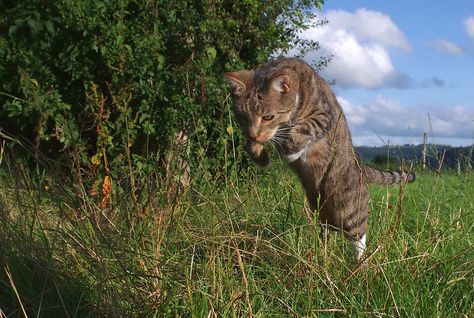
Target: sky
{"type": "Point", "coordinates": [401, 68]}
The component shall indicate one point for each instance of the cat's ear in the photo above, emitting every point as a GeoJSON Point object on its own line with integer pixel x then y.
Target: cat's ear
{"type": "Point", "coordinates": [239, 81]}
{"type": "Point", "coordinates": [282, 84]}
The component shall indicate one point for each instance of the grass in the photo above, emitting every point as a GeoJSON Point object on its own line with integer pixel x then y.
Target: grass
{"type": "Point", "coordinates": [229, 245]}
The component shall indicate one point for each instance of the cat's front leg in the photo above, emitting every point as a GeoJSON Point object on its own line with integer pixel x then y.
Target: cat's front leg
{"type": "Point", "coordinates": [300, 138]}
{"type": "Point", "coordinates": [258, 154]}
{"type": "Point", "coordinates": [296, 142]}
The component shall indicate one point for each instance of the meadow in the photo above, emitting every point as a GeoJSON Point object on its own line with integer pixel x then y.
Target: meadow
{"type": "Point", "coordinates": [240, 243]}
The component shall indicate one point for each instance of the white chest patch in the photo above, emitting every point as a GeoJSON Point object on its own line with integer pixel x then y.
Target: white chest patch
{"type": "Point", "coordinates": [294, 156]}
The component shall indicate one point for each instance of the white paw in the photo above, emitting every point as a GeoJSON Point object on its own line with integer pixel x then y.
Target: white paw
{"type": "Point", "coordinates": [359, 247]}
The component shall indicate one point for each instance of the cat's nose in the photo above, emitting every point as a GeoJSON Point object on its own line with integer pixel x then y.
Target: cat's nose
{"type": "Point", "coordinates": [253, 134]}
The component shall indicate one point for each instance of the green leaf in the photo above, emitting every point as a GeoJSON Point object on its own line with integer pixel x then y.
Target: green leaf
{"type": "Point", "coordinates": [211, 54]}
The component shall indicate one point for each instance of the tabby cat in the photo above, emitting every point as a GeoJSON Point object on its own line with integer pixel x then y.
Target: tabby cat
{"type": "Point", "coordinates": [285, 101]}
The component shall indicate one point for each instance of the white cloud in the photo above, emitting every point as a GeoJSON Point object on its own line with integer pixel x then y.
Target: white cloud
{"type": "Point", "coordinates": [355, 114]}
{"type": "Point", "coordinates": [359, 43]}
{"type": "Point", "coordinates": [387, 119]}
{"type": "Point", "coordinates": [469, 27]}
{"type": "Point", "coordinates": [445, 46]}
{"type": "Point", "coordinates": [369, 25]}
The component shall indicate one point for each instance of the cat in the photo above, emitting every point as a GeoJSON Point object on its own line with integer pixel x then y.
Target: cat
{"type": "Point", "coordinates": [286, 102]}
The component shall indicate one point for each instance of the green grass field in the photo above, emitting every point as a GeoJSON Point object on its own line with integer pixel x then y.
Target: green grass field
{"type": "Point", "coordinates": [236, 245]}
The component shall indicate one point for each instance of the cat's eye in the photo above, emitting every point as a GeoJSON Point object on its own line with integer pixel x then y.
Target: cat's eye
{"type": "Point", "coordinates": [241, 115]}
{"type": "Point", "coordinates": [268, 117]}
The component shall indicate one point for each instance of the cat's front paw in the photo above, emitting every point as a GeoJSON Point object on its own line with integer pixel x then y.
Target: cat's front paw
{"type": "Point", "coordinates": [263, 160]}
{"type": "Point", "coordinates": [258, 154]}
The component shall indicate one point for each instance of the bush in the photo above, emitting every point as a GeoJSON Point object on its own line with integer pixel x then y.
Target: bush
{"type": "Point", "coordinates": [116, 81]}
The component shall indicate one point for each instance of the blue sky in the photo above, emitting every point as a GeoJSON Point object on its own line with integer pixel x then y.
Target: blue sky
{"type": "Point", "coordinates": [398, 63]}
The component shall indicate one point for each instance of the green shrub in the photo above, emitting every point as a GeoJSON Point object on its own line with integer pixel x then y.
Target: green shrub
{"type": "Point", "coordinates": [116, 81]}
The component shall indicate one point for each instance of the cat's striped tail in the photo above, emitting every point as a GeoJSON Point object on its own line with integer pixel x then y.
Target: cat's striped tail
{"type": "Point", "coordinates": [384, 177]}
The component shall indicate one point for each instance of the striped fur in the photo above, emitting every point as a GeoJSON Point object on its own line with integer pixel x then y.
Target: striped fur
{"type": "Point", "coordinates": [383, 177]}
{"type": "Point", "coordinates": [286, 103]}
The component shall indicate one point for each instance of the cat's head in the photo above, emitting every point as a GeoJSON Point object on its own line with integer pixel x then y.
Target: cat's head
{"type": "Point", "coordinates": [264, 100]}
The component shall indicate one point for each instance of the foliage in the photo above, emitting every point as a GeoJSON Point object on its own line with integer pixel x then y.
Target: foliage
{"type": "Point", "coordinates": [116, 81]}
{"type": "Point", "coordinates": [385, 162]}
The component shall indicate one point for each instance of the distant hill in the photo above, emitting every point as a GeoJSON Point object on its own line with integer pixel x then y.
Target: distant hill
{"type": "Point", "coordinates": [453, 156]}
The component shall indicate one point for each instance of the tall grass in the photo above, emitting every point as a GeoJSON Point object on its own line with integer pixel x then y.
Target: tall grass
{"type": "Point", "coordinates": [229, 245]}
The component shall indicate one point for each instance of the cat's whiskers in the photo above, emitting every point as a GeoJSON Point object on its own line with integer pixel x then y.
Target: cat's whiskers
{"type": "Point", "coordinates": [285, 129]}
{"type": "Point", "coordinates": [272, 144]}
{"type": "Point", "coordinates": [278, 138]}
{"type": "Point", "coordinates": [278, 141]}
{"type": "Point", "coordinates": [282, 135]}
{"type": "Point", "coordinates": [283, 132]}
